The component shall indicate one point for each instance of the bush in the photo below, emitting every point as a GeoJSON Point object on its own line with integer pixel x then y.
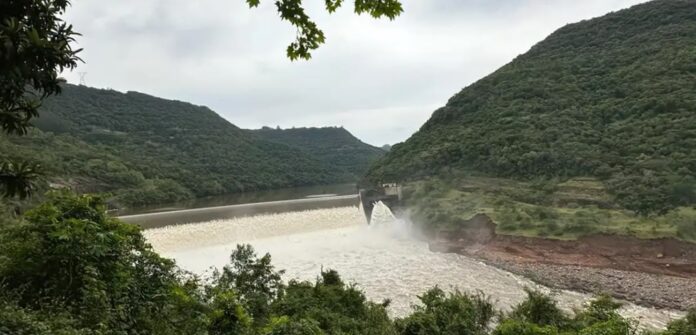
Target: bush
{"type": "Point", "coordinates": [68, 254]}
{"type": "Point", "coordinates": [285, 326]}
{"type": "Point", "coordinates": [686, 326]}
{"type": "Point", "coordinates": [585, 222]}
{"type": "Point", "coordinates": [541, 213]}
{"type": "Point", "coordinates": [601, 309]}
{"type": "Point", "coordinates": [253, 279]}
{"type": "Point", "coordinates": [227, 315]}
{"type": "Point", "coordinates": [156, 191]}
{"type": "Point", "coordinates": [20, 321]}
{"type": "Point", "coordinates": [336, 307]}
{"type": "Point", "coordinates": [610, 327]}
{"type": "Point", "coordinates": [454, 313]}
{"type": "Point", "coordinates": [686, 228]}
{"type": "Point", "coordinates": [539, 309]}
{"type": "Point", "coordinates": [516, 327]}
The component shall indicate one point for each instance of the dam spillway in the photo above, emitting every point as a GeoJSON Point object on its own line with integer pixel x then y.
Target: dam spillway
{"type": "Point", "coordinates": [383, 259]}
{"type": "Point", "coordinates": [174, 217]}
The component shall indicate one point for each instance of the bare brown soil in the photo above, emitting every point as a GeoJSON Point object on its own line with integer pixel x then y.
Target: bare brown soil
{"type": "Point", "coordinates": [658, 273]}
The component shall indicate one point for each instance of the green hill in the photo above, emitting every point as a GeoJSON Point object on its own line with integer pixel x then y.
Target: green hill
{"type": "Point", "coordinates": [150, 150]}
{"type": "Point", "coordinates": [612, 98]}
{"type": "Point", "coordinates": [334, 146]}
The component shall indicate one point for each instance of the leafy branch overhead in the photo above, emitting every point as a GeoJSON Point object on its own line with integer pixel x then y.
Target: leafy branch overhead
{"type": "Point", "coordinates": [309, 36]}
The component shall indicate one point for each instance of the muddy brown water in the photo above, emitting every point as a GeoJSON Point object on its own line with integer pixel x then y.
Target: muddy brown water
{"type": "Point", "coordinates": [385, 259]}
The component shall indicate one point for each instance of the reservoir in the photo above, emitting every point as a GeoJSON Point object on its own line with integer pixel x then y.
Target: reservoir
{"type": "Point", "coordinates": [386, 259]}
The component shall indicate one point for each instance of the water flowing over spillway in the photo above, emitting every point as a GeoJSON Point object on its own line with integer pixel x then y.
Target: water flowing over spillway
{"type": "Point", "coordinates": [382, 258]}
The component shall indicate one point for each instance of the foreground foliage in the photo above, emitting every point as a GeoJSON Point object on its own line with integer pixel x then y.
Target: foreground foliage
{"type": "Point", "coordinates": [68, 257]}
{"type": "Point", "coordinates": [609, 98]}
{"type": "Point", "coordinates": [35, 49]}
{"type": "Point", "coordinates": [69, 269]}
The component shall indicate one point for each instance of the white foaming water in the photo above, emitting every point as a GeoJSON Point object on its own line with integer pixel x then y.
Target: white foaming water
{"type": "Point", "coordinates": [382, 258]}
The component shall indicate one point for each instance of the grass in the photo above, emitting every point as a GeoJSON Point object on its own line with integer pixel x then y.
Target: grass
{"type": "Point", "coordinates": [565, 210]}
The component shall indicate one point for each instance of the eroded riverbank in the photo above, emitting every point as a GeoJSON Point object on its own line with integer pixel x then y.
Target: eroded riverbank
{"type": "Point", "coordinates": [657, 273]}
{"type": "Point", "coordinates": [645, 289]}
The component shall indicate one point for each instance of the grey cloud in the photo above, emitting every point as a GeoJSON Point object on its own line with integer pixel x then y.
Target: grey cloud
{"type": "Point", "coordinates": [379, 79]}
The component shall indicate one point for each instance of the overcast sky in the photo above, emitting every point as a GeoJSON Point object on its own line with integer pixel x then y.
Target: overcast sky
{"type": "Point", "coordinates": [379, 79]}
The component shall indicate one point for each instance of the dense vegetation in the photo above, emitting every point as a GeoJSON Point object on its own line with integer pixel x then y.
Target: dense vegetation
{"type": "Point", "coordinates": [612, 98]}
{"type": "Point", "coordinates": [334, 146]}
{"type": "Point", "coordinates": [36, 47]}
{"type": "Point", "coordinates": [556, 209]}
{"type": "Point", "coordinates": [149, 150]}
{"type": "Point", "coordinates": [67, 268]}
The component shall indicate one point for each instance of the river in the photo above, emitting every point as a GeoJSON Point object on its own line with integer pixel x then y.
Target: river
{"type": "Point", "coordinates": [385, 259]}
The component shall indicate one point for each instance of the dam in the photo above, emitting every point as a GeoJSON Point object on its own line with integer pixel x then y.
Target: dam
{"type": "Point", "coordinates": [386, 259]}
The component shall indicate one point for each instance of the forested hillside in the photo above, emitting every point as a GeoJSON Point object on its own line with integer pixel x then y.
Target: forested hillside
{"type": "Point", "coordinates": [149, 150]}
{"type": "Point", "coordinates": [612, 98]}
{"type": "Point", "coordinates": [333, 145]}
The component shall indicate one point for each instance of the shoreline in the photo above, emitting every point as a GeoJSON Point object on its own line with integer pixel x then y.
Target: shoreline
{"type": "Point", "coordinates": [643, 289]}
{"type": "Point", "coordinates": [651, 273]}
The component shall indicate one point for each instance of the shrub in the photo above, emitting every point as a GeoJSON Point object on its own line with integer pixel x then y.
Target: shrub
{"type": "Point", "coordinates": [686, 326]}
{"type": "Point", "coordinates": [516, 327]}
{"type": "Point", "coordinates": [686, 228]}
{"type": "Point", "coordinates": [336, 307]}
{"type": "Point", "coordinates": [285, 326]}
{"type": "Point", "coordinates": [601, 309]}
{"type": "Point", "coordinates": [539, 309]}
{"type": "Point", "coordinates": [68, 254]}
{"type": "Point", "coordinates": [610, 327]}
{"type": "Point", "coordinates": [253, 279]}
{"type": "Point", "coordinates": [454, 313]}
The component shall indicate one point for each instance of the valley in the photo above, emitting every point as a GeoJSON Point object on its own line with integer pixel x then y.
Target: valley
{"type": "Point", "coordinates": [554, 195]}
{"type": "Point", "coordinates": [145, 150]}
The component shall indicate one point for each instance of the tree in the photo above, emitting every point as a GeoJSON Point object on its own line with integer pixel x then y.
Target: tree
{"type": "Point", "coordinates": [227, 315]}
{"type": "Point", "coordinates": [539, 309]}
{"type": "Point", "coordinates": [453, 313]}
{"type": "Point", "coordinates": [309, 36]}
{"type": "Point", "coordinates": [35, 49]}
{"type": "Point", "coordinates": [18, 178]}
{"type": "Point", "coordinates": [254, 280]}
{"type": "Point", "coordinates": [68, 256]}
{"type": "Point", "coordinates": [329, 306]}
{"type": "Point", "coordinates": [685, 326]}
